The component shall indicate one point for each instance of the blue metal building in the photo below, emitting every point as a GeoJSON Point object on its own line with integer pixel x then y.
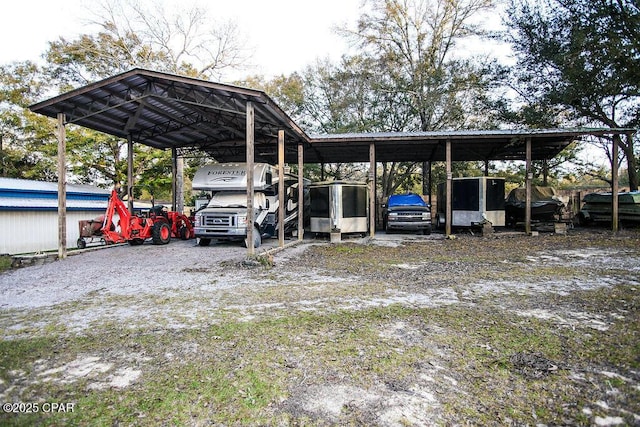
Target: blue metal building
{"type": "Point", "coordinates": [29, 214]}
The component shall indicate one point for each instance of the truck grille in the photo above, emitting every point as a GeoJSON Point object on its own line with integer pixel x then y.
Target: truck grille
{"type": "Point", "coordinates": [217, 221]}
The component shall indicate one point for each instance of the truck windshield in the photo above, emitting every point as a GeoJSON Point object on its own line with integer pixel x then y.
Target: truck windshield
{"type": "Point", "coordinates": [233, 199]}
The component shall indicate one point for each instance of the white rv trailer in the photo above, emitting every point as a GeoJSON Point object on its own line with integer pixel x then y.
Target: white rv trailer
{"type": "Point", "coordinates": [224, 216]}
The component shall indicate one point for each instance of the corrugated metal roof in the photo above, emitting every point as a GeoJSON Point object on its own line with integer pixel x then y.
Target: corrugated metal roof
{"type": "Point", "coordinates": [28, 185]}
{"type": "Point", "coordinates": [25, 194]}
{"type": "Point", "coordinates": [39, 204]}
{"type": "Point", "coordinates": [169, 111]}
{"type": "Point", "coordinates": [466, 145]}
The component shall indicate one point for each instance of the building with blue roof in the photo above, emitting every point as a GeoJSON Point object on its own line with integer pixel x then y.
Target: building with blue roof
{"type": "Point", "coordinates": [29, 213]}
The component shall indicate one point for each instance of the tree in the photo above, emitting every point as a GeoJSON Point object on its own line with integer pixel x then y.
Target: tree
{"type": "Point", "coordinates": [27, 149]}
{"type": "Point", "coordinates": [406, 77]}
{"type": "Point", "coordinates": [130, 36]}
{"type": "Point", "coordinates": [414, 42]}
{"type": "Point", "coordinates": [579, 59]}
{"type": "Point", "coordinates": [185, 42]}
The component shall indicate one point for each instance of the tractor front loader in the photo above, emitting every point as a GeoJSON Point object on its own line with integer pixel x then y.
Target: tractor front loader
{"type": "Point", "coordinates": [158, 226]}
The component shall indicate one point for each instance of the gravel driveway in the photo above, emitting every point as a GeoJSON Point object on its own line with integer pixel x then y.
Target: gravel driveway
{"type": "Point", "coordinates": [486, 313]}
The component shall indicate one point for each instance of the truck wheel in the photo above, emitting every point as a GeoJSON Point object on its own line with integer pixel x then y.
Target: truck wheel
{"type": "Point", "coordinates": [203, 242]}
{"type": "Point", "coordinates": [160, 233]}
{"type": "Point", "coordinates": [257, 239]}
{"type": "Point", "coordinates": [81, 243]}
{"type": "Point", "coordinates": [427, 231]}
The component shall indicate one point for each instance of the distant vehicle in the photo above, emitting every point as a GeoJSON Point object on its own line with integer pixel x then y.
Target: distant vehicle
{"type": "Point", "coordinates": [407, 212]}
{"type": "Point", "coordinates": [223, 215]}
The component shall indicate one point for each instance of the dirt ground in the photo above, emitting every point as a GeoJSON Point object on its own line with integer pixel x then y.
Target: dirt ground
{"type": "Point", "coordinates": [398, 330]}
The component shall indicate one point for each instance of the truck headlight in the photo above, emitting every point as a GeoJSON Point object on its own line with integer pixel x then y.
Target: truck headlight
{"type": "Point", "coordinates": [242, 220]}
{"type": "Point", "coordinates": [198, 220]}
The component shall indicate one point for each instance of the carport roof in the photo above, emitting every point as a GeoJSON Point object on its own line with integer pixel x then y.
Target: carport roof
{"type": "Point", "coordinates": [167, 111]}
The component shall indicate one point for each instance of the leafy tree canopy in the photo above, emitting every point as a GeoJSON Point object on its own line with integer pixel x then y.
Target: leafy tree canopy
{"type": "Point", "coordinates": [579, 60]}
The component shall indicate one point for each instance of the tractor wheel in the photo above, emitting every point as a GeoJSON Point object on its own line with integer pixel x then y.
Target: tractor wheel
{"type": "Point", "coordinates": [135, 242]}
{"type": "Point", "coordinates": [257, 239]}
{"type": "Point", "coordinates": [203, 242]}
{"type": "Point", "coordinates": [160, 233]}
{"type": "Point", "coordinates": [183, 233]}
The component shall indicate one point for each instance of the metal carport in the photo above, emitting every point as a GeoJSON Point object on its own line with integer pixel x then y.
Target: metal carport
{"type": "Point", "coordinates": [232, 123]}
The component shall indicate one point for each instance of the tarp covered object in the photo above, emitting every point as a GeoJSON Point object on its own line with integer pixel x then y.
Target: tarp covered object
{"type": "Point", "coordinates": [538, 193]}
{"type": "Point", "coordinates": [409, 199]}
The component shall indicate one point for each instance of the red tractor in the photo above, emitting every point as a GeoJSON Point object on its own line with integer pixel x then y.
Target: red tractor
{"type": "Point", "coordinates": [160, 225]}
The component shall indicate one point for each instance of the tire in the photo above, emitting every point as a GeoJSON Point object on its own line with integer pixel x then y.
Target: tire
{"type": "Point", "coordinates": [203, 242]}
{"type": "Point", "coordinates": [81, 243]}
{"type": "Point", "coordinates": [257, 239]}
{"type": "Point", "coordinates": [160, 233]}
{"type": "Point", "coordinates": [135, 242]}
{"type": "Point", "coordinates": [183, 233]}
{"type": "Point", "coordinates": [427, 231]}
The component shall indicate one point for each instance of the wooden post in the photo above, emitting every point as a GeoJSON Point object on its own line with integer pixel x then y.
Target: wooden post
{"type": "Point", "coordinates": [177, 181]}
{"type": "Point", "coordinates": [130, 173]}
{"type": "Point", "coordinates": [430, 185]}
{"type": "Point", "coordinates": [62, 187]}
{"type": "Point", "coordinates": [449, 190]}
{"type": "Point", "coordinates": [372, 189]}
{"type": "Point", "coordinates": [528, 179]}
{"type": "Point", "coordinates": [180, 184]}
{"type": "Point", "coordinates": [614, 185]}
{"type": "Point", "coordinates": [174, 175]}
{"type": "Point", "coordinates": [300, 192]}
{"type": "Point", "coordinates": [281, 188]}
{"type": "Point", "coordinates": [250, 166]}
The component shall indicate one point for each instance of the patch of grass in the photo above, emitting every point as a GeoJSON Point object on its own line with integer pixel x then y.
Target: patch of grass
{"type": "Point", "coordinates": [13, 353]}
{"type": "Point", "coordinates": [5, 263]}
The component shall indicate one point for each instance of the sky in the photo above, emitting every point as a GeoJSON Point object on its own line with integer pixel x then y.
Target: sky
{"type": "Point", "coordinates": [284, 35]}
